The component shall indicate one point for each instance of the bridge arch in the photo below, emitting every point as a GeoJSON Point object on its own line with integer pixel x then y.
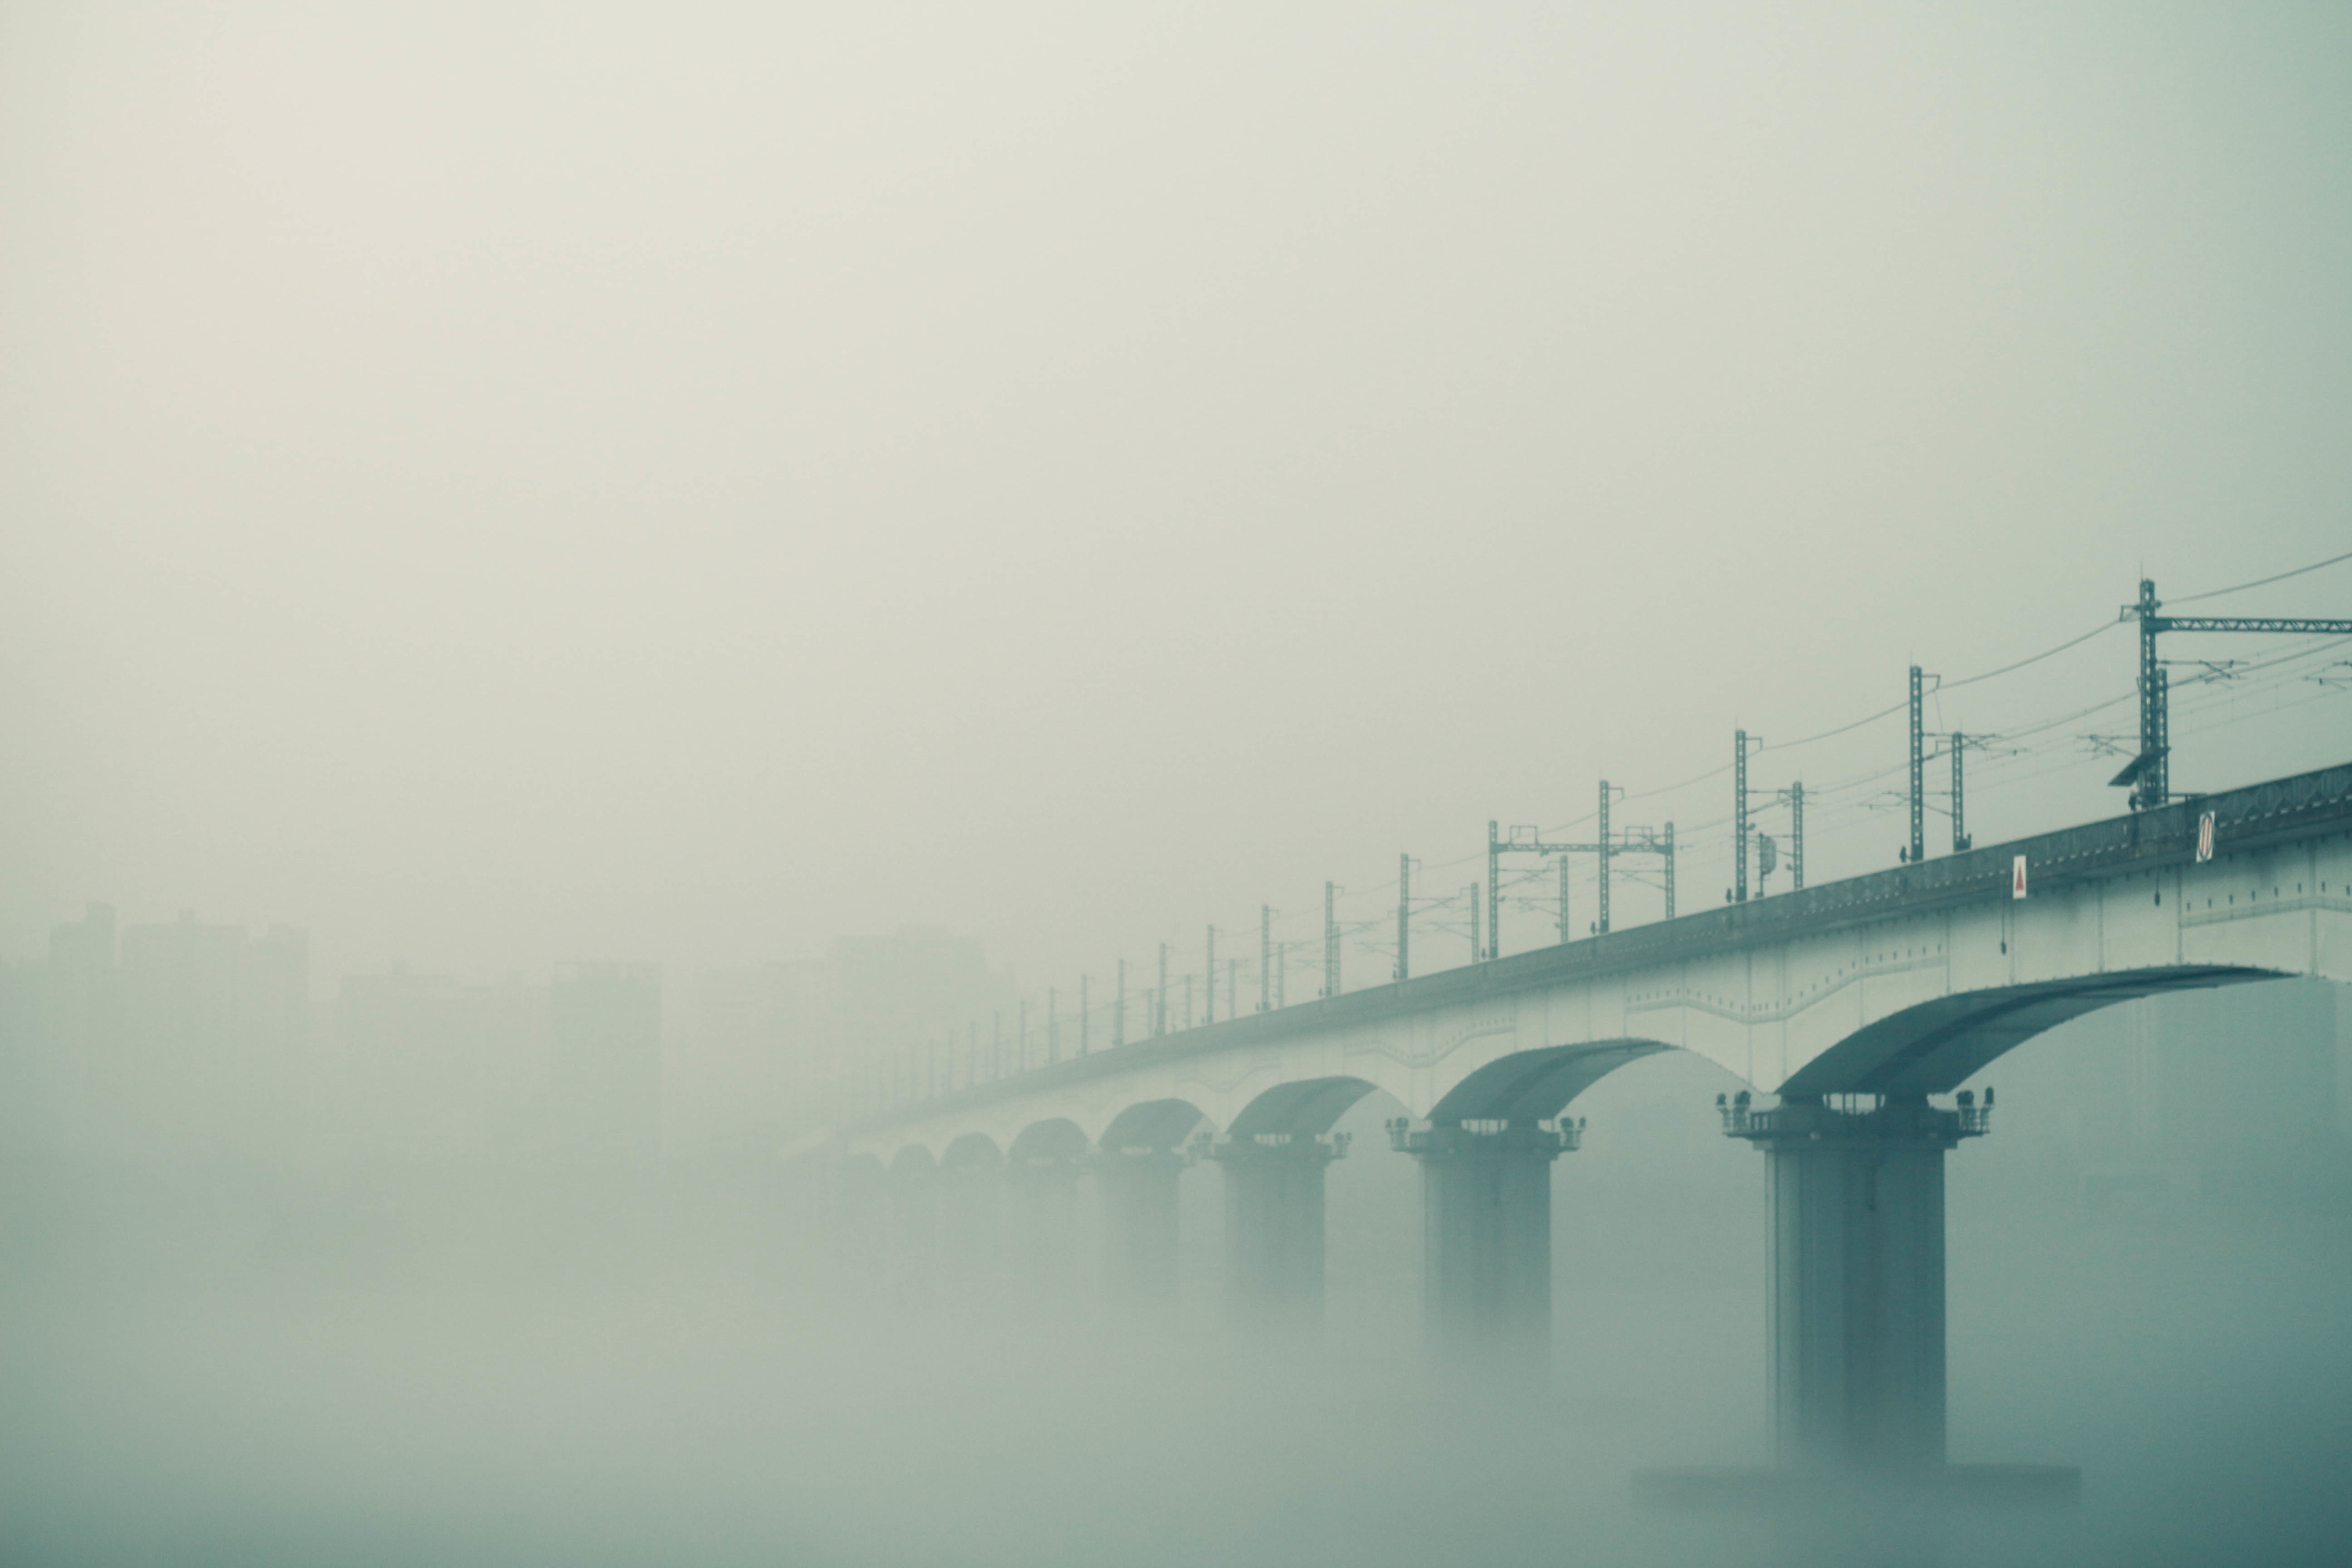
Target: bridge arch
{"type": "Point", "coordinates": [913, 1162]}
{"type": "Point", "coordinates": [1305, 1107]}
{"type": "Point", "coordinates": [1055, 1139]}
{"type": "Point", "coordinates": [973, 1150]}
{"type": "Point", "coordinates": [1533, 1085]}
{"type": "Point", "coordinates": [1155, 1124]}
{"type": "Point", "coordinates": [1936, 1046]}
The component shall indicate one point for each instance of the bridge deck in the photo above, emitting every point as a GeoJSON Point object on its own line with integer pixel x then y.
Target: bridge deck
{"type": "Point", "coordinates": [2292, 808]}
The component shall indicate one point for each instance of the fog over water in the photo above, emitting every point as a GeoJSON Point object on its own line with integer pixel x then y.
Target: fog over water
{"type": "Point", "coordinates": [440, 1388]}
{"type": "Point", "coordinates": [595, 604]}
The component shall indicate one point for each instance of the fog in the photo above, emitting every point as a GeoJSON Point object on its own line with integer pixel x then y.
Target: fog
{"type": "Point", "coordinates": [601, 611]}
{"type": "Point", "coordinates": [291, 1375]}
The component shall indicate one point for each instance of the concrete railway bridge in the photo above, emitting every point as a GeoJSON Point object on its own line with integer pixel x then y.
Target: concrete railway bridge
{"type": "Point", "coordinates": [1856, 1008]}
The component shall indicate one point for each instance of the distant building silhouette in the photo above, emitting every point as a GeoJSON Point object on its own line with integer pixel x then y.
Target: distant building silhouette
{"type": "Point", "coordinates": [164, 1042]}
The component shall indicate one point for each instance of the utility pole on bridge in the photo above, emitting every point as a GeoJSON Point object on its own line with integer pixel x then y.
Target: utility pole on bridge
{"type": "Point", "coordinates": [1404, 917]}
{"type": "Point", "coordinates": [1266, 958]}
{"type": "Point", "coordinates": [1795, 797]}
{"type": "Point", "coordinates": [1918, 850]}
{"type": "Point", "coordinates": [1493, 893]}
{"type": "Point", "coordinates": [1606, 846]}
{"type": "Point", "coordinates": [1210, 974]}
{"type": "Point", "coordinates": [1603, 855]}
{"type": "Point", "coordinates": [1961, 839]}
{"type": "Point", "coordinates": [1330, 939]}
{"type": "Point", "coordinates": [1739, 816]}
{"type": "Point", "coordinates": [2150, 773]}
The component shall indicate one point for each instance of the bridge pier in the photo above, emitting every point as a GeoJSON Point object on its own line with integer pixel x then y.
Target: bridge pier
{"type": "Point", "coordinates": [1041, 1224]}
{"type": "Point", "coordinates": [1274, 1226]}
{"type": "Point", "coordinates": [1485, 1207]}
{"type": "Point", "coordinates": [913, 1211]}
{"type": "Point", "coordinates": [972, 1226]}
{"type": "Point", "coordinates": [857, 1207]}
{"type": "Point", "coordinates": [1855, 1320]}
{"type": "Point", "coordinates": [1139, 1222]}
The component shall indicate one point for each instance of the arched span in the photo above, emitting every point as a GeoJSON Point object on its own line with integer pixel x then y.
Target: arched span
{"type": "Point", "coordinates": [972, 1151]}
{"type": "Point", "coordinates": [1154, 1124]}
{"type": "Point", "coordinates": [1042, 1141]}
{"type": "Point", "coordinates": [911, 1164]}
{"type": "Point", "coordinates": [1532, 1086]}
{"type": "Point", "coordinates": [1308, 1108]}
{"type": "Point", "coordinates": [1935, 1046]}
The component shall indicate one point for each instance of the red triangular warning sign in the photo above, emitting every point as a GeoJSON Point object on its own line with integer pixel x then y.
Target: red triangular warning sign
{"type": "Point", "coordinates": [2017, 878]}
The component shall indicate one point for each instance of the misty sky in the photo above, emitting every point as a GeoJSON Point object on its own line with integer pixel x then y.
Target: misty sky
{"type": "Point", "coordinates": [502, 484]}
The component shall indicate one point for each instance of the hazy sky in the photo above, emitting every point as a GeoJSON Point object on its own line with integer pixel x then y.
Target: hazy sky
{"type": "Point", "coordinates": [502, 484]}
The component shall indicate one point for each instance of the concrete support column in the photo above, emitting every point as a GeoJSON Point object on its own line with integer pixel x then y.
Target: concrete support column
{"type": "Point", "coordinates": [1139, 1224]}
{"type": "Point", "coordinates": [971, 1227]}
{"type": "Point", "coordinates": [1485, 1207]}
{"type": "Point", "coordinates": [914, 1220]}
{"type": "Point", "coordinates": [858, 1208]}
{"type": "Point", "coordinates": [1856, 1328]}
{"type": "Point", "coordinates": [1041, 1222]}
{"type": "Point", "coordinates": [1274, 1226]}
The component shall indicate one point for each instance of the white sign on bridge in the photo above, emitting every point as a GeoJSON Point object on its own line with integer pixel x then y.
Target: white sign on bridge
{"type": "Point", "coordinates": [2017, 878]}
{"type": "Point", "coordinates": [2205, 839]}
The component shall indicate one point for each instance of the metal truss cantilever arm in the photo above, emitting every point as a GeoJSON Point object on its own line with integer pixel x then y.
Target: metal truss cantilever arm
{"type": "Point", "coordinates": [2293, 626]}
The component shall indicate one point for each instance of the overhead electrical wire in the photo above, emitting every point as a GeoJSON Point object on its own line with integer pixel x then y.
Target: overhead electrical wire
{"type": "Point", "coordinates": [2037, 658]}
{"type": "Point", "coordinates": [2259, 582]}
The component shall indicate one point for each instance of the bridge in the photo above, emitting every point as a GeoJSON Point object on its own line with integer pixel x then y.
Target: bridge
{"type": "Point", "coordinates": [1856, 1007]}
